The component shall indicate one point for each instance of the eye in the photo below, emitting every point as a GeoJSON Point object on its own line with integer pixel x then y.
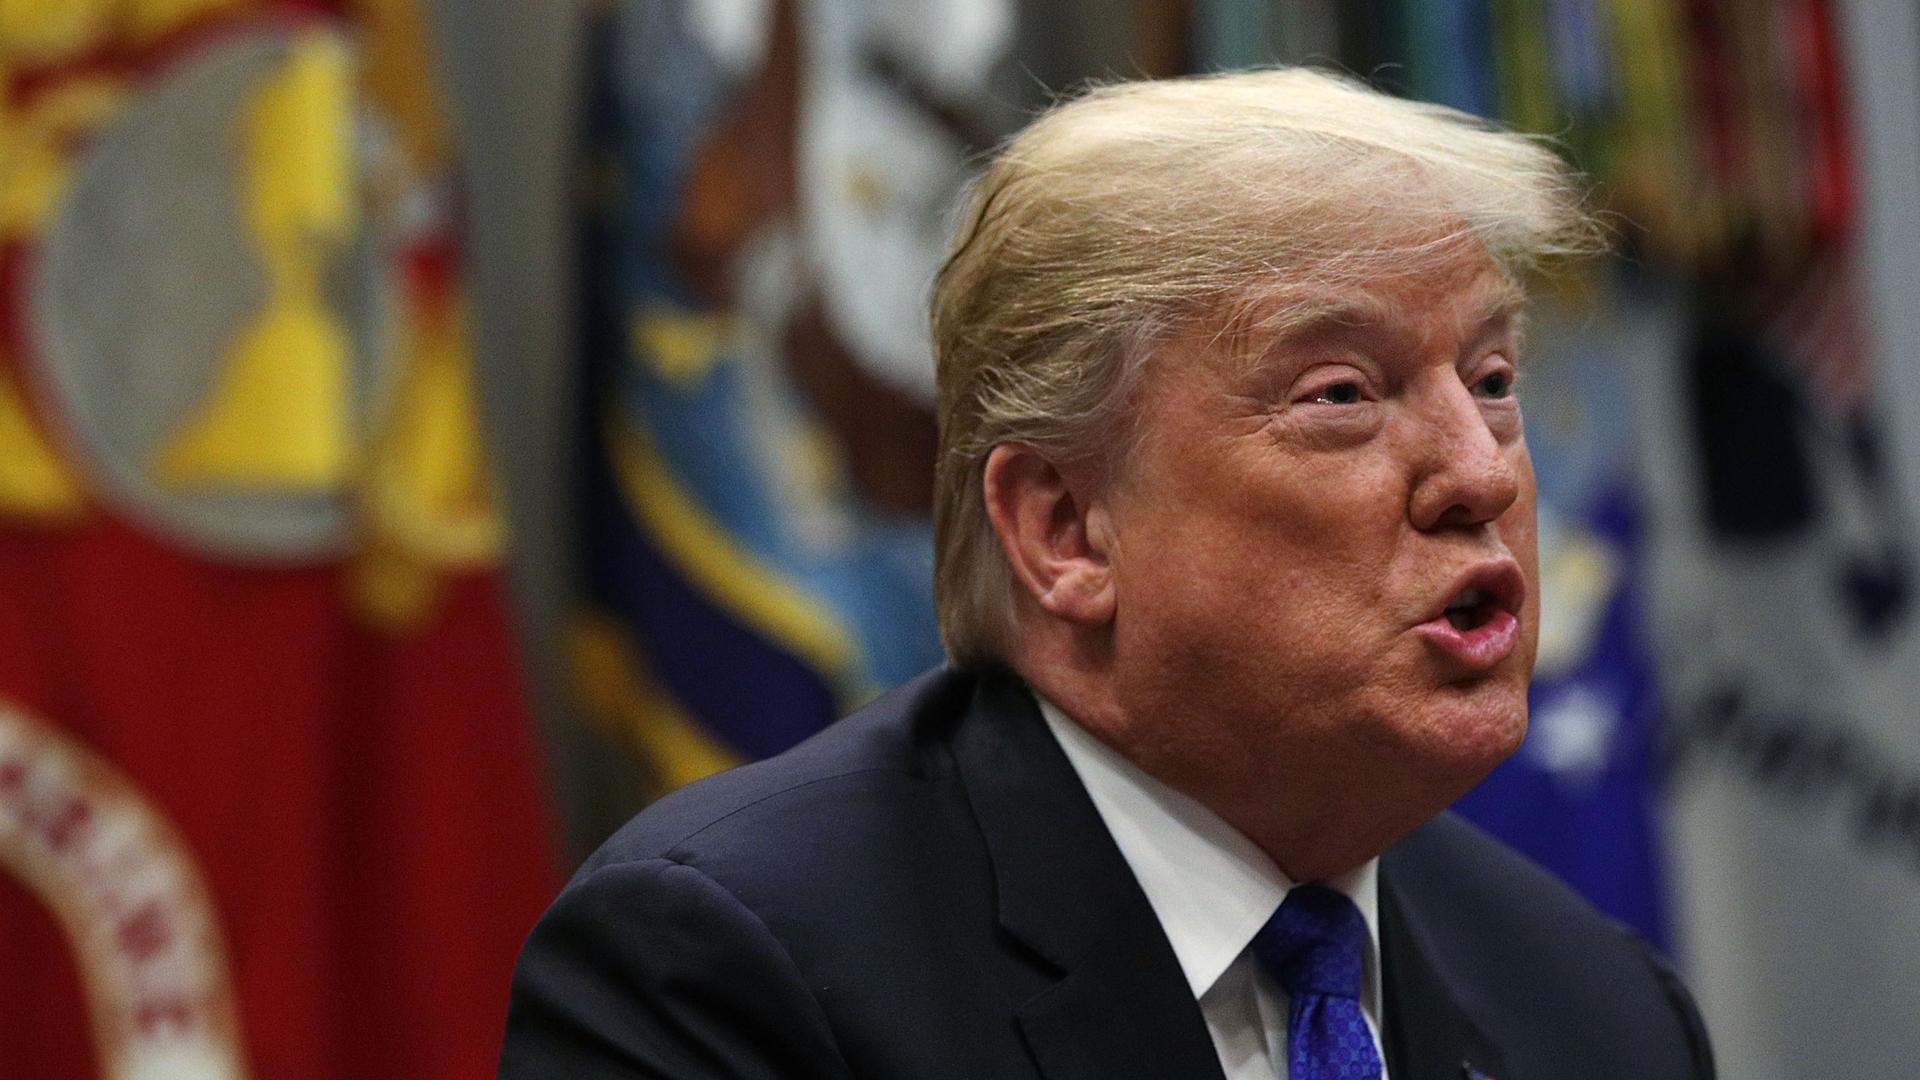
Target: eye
{"type": "Point", "coordinates": [1340, 393]}
{"type": "Point", "coordinates": [1496, 384]}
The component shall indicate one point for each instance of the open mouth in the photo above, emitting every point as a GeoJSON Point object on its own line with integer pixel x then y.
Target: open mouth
{"type": "Point", "coordinates": [1479, 626]}
{"type": "Point", "coordinates": [1470, 609]}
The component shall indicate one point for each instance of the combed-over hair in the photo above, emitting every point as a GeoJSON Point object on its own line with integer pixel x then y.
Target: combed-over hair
{"type": "Point", "coordinates": [1138, 210]}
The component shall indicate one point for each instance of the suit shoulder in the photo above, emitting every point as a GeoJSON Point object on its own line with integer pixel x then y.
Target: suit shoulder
{"type": "Point", "coordinates": [900, 733]}
{"type": "Point", "coordinates": [1478, 868]}
{"type": "Point", "coordinates": [741, 1006]}
{"type": "Point", "coordinates": [1491, 900]}
{"type": "Point", "coordinates": [1543, 969]}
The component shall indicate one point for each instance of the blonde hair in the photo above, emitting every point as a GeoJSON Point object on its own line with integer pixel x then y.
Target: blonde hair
{"type": "Point", "coordinates": [1138, 210]}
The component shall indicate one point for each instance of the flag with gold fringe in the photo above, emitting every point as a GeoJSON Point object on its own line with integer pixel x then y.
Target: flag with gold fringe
{"type": "Point", "coordinates": [268, 800]}
{"type": "Point", "coordinates": [767, 199]}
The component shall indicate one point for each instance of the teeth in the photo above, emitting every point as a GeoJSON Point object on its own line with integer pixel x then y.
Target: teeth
{"type": "Point", "coordinates": [1468, 598]}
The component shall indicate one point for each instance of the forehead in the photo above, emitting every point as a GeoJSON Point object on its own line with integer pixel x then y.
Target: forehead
{"type": "Point", "coordinates": [1463, 303]}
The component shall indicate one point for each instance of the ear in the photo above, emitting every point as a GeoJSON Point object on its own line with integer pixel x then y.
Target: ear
{"type": "Point", "coordinates": [1055, 540]}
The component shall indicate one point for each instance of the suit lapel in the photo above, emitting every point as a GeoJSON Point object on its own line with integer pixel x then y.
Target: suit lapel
{"type": "Point", "coordinates": [1428, 1036]}
{"type": "Point", "coordinates": [1121, 1008]}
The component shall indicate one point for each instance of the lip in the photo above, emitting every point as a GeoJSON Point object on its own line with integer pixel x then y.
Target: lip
{"type": "Point", "coordinates": [1486, 645]}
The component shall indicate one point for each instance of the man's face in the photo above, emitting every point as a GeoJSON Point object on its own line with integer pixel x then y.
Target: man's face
{"type": "Point", "coordinates": [1323, 556]}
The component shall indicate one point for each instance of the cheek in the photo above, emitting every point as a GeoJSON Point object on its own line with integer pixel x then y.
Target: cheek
{"type": "Point", "coordinates": [1305, 558]}
{"type": "Point", "coordinates": [1264, 613]}
{"type": "Point", "coordinates": [1258, 574]}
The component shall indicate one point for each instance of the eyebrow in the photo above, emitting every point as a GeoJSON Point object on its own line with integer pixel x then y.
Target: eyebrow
{"type": "Point", "coordinates": [1505, 311]}
{"type": "Point", "coordinates": [1360, 315]}
{"type": "Point", "coordinates": [1506, 304]}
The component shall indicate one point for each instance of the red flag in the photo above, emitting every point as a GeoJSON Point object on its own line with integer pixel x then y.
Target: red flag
{"type": "Point", "coordinates": [248, 573]}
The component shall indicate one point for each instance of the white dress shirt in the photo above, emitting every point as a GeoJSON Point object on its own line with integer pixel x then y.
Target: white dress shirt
{"type": "Point", "coordinates": [1212, 889]}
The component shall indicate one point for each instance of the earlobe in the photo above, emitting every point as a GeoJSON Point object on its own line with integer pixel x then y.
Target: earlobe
{"type": "Point", "coordinates": [1056, 542]}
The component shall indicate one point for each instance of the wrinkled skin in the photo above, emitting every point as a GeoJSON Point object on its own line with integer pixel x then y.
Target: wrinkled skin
{"type": "Point", "coordinates": [1246, 606]}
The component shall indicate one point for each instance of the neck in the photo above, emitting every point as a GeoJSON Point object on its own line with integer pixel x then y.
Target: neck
{"type": "Point", "coordinates": [1316, 823]}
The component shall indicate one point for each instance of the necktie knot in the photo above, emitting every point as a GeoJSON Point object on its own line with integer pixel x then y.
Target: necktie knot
{"type": "Point", "coordinates": [1312, 947]}
{"type": "Point", "coordinates": [1314, 943]}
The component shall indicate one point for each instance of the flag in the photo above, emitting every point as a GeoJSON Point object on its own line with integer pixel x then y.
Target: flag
{"type": "Point", "coordinates": [1783, 602]}
{"type": "Point", "coordinates": [767, 201]}
{"type": "Point", "coordinates": [1783, 616]}
{"type": "Point", "coordinates": [267, 800]}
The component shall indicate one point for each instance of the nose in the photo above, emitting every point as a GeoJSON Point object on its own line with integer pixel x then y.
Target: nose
{"type": "Point", "coordinates": [1464, 475]}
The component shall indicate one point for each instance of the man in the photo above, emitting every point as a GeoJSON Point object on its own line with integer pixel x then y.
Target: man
{"type": "Point", "coordinates": [1235, 562]}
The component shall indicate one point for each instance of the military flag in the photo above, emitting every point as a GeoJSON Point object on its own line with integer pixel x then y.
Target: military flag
{"type": "Point", "coordinates": [1787, 610]}
{"type": "Point", "coordinates": [769, 185]}
{"type": "Point", "coordinates": [267, 800]}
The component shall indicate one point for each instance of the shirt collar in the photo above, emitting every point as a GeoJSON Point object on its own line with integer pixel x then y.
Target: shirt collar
{"type": "Point", "coordinates": [1210, 886]}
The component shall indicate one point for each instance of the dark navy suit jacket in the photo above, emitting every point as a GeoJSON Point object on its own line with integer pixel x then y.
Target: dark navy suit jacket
{"type": "Point", "coordinates": [925, 891]}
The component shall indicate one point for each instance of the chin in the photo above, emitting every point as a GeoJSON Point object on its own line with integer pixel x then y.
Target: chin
{"type": "Point", "coordinates": [1464, 732]}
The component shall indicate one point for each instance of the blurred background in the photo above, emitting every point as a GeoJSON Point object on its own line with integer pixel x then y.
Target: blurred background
{"type": "Point", "coordinates": [431, 429]}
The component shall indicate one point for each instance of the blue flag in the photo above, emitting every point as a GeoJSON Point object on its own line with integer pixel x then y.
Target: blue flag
{"type": "Point", "coordinates": [757, 469]}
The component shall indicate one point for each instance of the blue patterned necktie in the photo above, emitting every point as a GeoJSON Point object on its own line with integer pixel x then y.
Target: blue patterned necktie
{"type": "Point", "coordinates": [1312, 948]}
